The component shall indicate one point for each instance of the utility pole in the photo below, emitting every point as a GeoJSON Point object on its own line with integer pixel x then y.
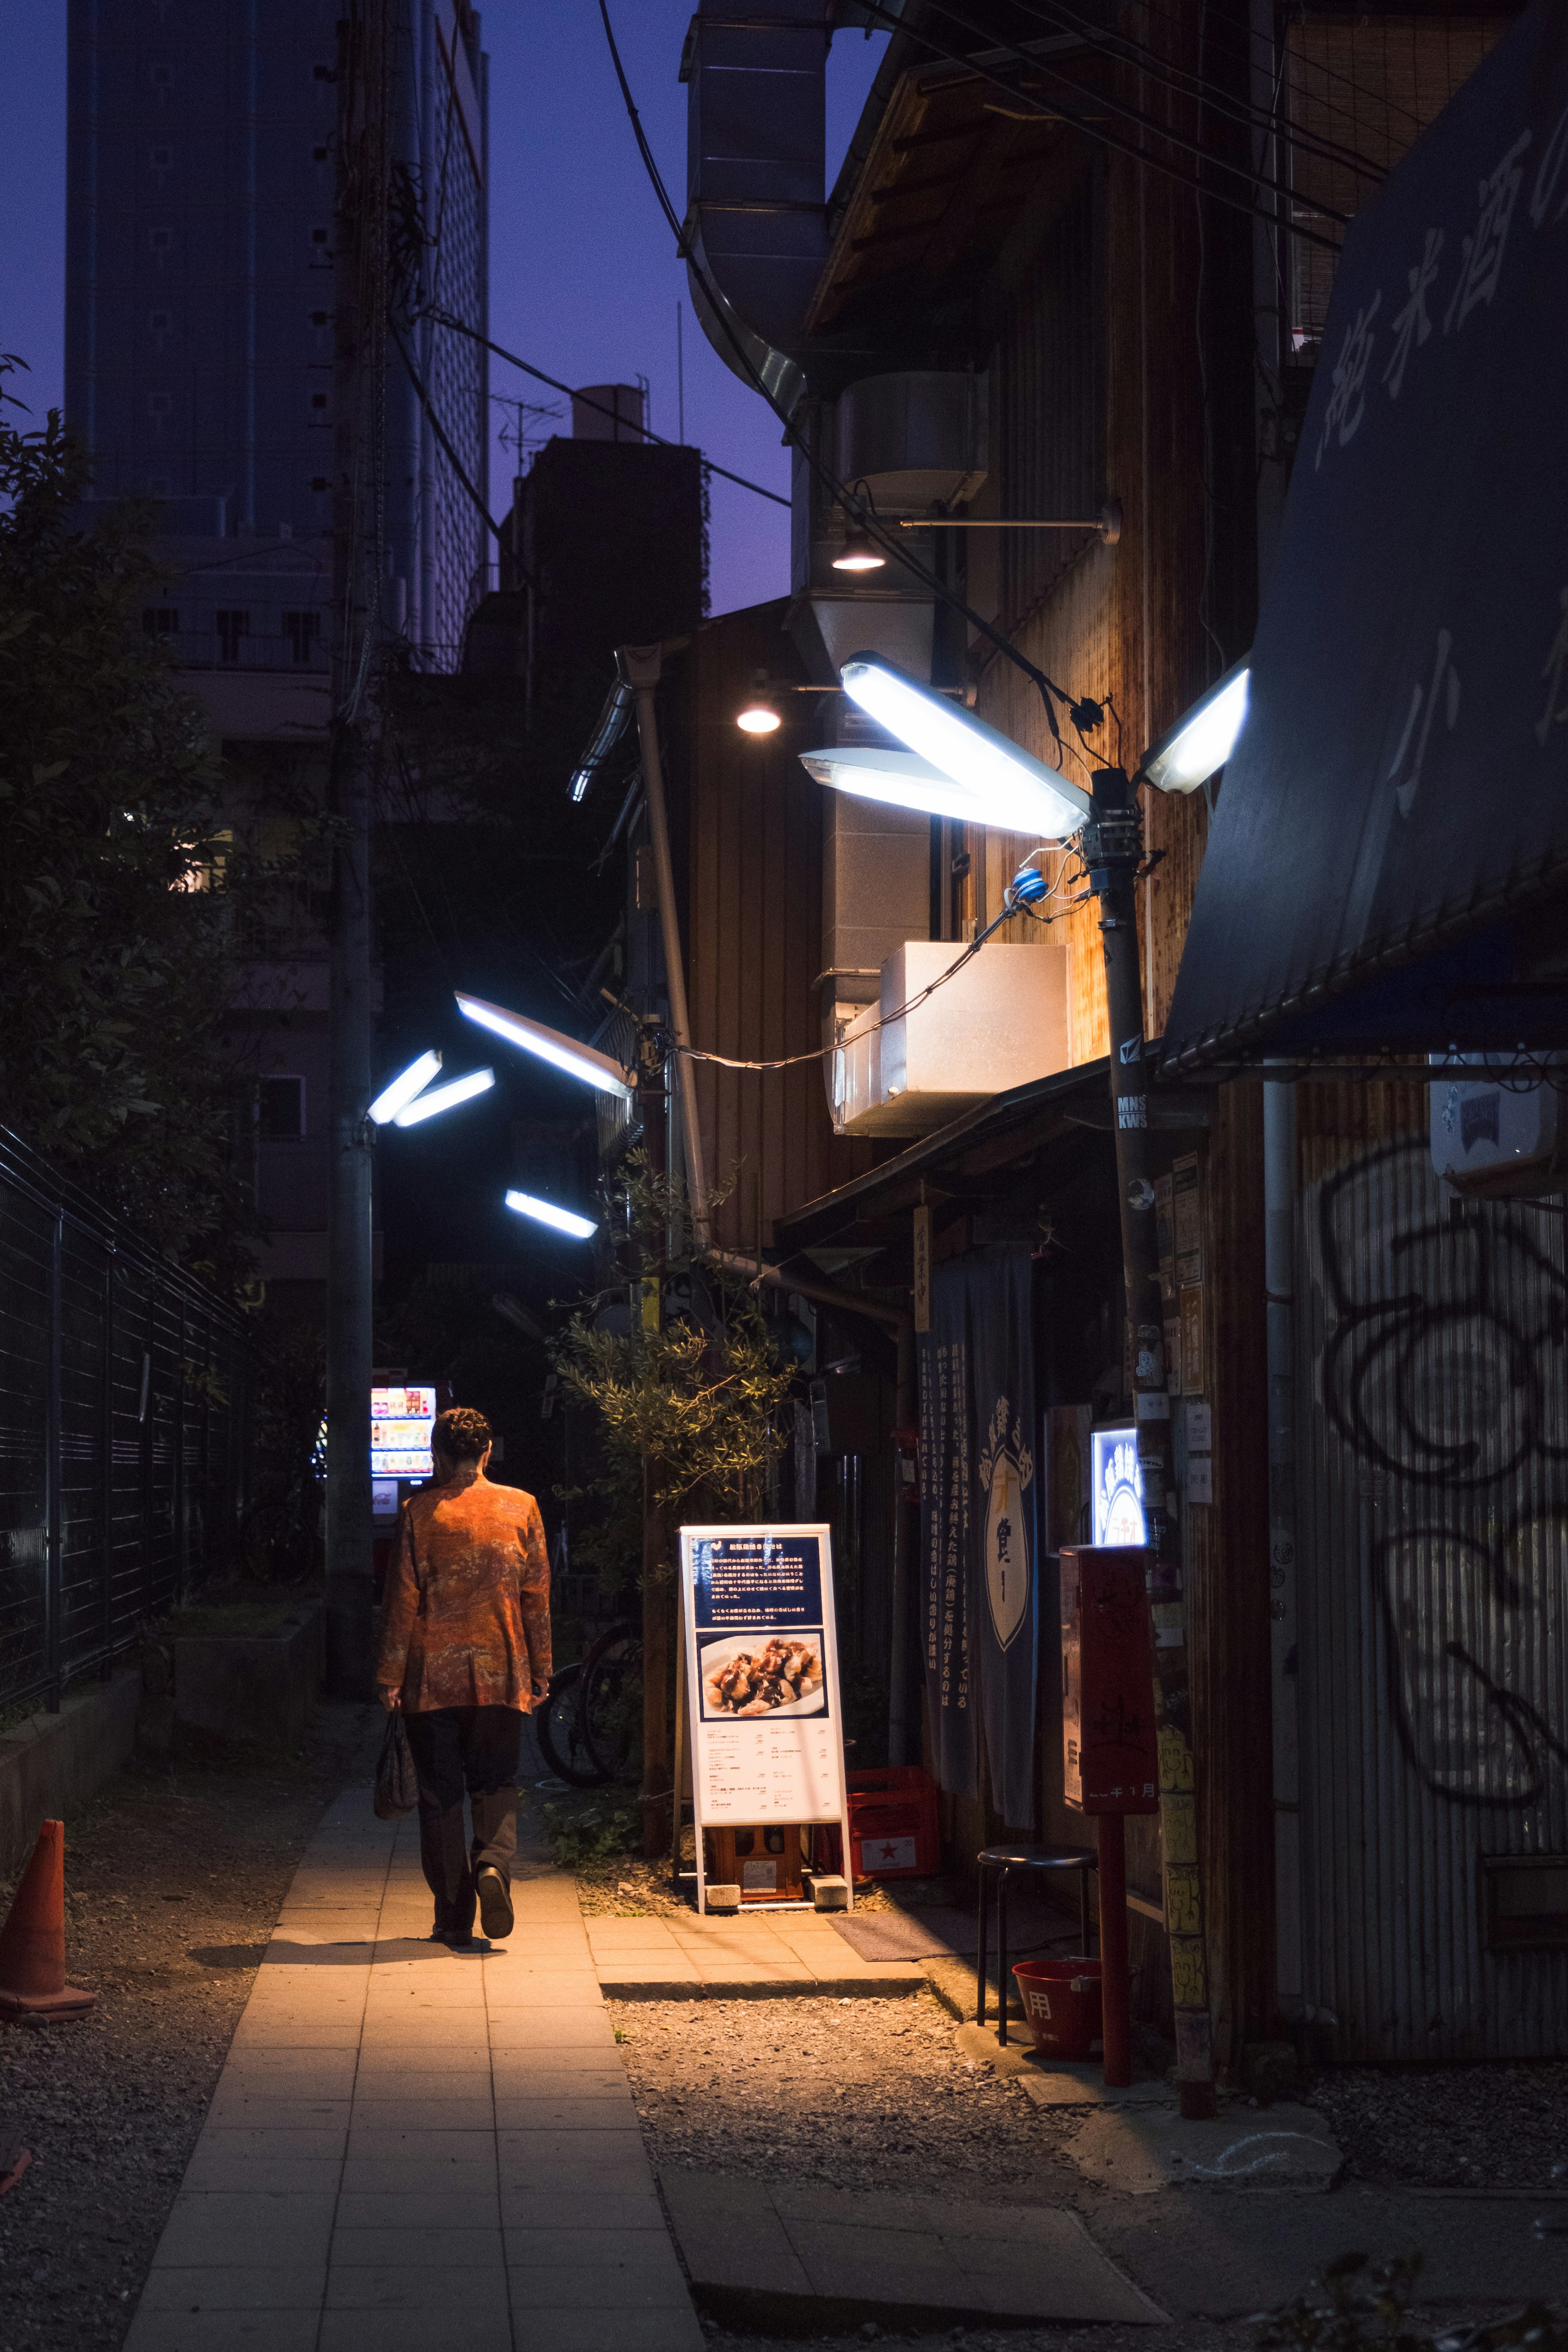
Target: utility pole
{"type": "Point", "coordinates": [362, 286]}
{"type": "Point", "coordinates": [657, 1808]}
{"type": "Point", "coordinates": [1112, 846]}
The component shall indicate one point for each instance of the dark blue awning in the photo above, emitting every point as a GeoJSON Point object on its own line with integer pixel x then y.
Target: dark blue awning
{"type": "Point", "coordinates": [1394, 818]}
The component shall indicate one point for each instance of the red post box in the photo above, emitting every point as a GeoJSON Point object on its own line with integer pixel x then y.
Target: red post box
{"type": "Point", "coordinates": [1107, 1713]}
{"type": "Point", "coordinates": [1111, 1765]}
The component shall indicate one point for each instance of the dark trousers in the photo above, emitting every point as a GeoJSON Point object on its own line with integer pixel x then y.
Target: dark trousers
{"type": "Point", "coordinates": [456, 1748]}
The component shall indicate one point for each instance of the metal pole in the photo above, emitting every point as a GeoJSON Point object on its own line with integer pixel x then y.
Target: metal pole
{"type": "Point", "coordinates": [1280, 1179]}
{"type": "Point", "coordinates": [657, 1808]}
{"type": "Point", "coordinates": [53, 1565]}
{"type": "Point", "coordinates": [362, 288]}
{"type": "Point", "coordinates": [1114, 2030]}
{"type": "Point", "coordinates": [899, 1650]}
{"type": "Point", "coordinates": [1112, 846]}
{"type": "Point", "coordinates": [640, 666]}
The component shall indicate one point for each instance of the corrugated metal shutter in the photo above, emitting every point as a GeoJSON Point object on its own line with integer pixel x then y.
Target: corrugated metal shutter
{"type": "Point", "coordinates": [1434, 1539]}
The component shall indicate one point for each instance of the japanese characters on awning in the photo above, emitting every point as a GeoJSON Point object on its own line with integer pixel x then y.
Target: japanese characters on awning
{"type": "Point", "coordinates": [1394, 819]}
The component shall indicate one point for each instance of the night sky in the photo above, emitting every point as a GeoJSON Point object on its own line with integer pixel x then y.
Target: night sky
{"type": "Point", "coordinates": [583, 280]}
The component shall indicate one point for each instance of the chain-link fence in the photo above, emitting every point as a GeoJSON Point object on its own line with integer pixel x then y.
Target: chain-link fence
{"type": "Point", "coordinates": [123, 1431]}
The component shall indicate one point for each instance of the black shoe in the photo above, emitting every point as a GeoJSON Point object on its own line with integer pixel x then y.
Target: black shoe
{"type": "Point", "coordinates": [495, 1902]}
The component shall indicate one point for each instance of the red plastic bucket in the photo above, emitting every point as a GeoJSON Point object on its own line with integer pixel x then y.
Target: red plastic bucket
{"type": "Point", "coordinates": [1061, 2004]}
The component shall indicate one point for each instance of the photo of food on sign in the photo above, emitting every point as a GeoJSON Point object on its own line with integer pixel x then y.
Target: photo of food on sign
{"type": "Point", "coordinates": [751, 1675]}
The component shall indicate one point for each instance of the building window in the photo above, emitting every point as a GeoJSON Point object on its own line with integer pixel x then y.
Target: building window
{"type": "Point", "coordinates": [231, 627]}
{"type": "Point", "coordinates": [160, 239]}
{"type": "Point", "coordinates": [319, 235]}
{"type": "Point", "coordinates": [159, 404]}
{"type": "Point", "coordinates": [320, 482]}
{"type": "Point", "coordinates": [280, 1107]}
{"type": "Point", "coordinates": [162, 160]}
{"type": "Point", "coordinates": [301, 630]}
{"type": "Point", "coordinates": [320, 318]}
{"type": "Point", "coordinates": [160, 620]}
{"type": "Point", "coordinates": [159, 322]}
{"type": "Point", "coordinates": [161, 76]}
{"type": "Point", "coordinates": [326, 73]}
{"type": "Point", "coordinates": [320, 155]}
{"type": "Point", "coordinates": [318, 400]}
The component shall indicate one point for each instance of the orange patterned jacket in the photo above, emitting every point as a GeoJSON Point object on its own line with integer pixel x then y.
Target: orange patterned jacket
{"type": "Point", "coordinates": [465, 1616]}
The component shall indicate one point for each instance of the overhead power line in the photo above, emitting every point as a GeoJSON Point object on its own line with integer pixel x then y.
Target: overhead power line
{"type": "Point", "coordinates": [459, 326]}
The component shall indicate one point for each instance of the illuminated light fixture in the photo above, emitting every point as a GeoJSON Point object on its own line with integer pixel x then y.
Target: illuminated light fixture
{"type": "Point", "coordinates": [759, 714]}
{"type": "Point", "coordinates": [898, 779]}
{"type": "Point", "coordinates": [404, 1087]}
{"type": "Point", "coordinates": [545, 1212]}
{"type": "Point", "coordinates": [594, 1069]}
{"type": "Point", "coordinates": [447, 1097]}
{"type": "Point", "coordinates": [858, 554]}
{"type": "Point", "coordinates": [1002, 785]}
{"type": "Point", "coordinates": [1203, 738]}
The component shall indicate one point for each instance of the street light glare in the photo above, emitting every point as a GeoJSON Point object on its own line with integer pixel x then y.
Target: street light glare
{"type": "Point", "coordinates": [404, 1087]}
{"type": "Point", "coordinates": [900, 779]}
{"type": "Point", "coordinates": [545, 1212]}
{"type": "Point", "coordinates": [1203, 738]}
{"type": "Point", "coordinates": [1004, 786]}
{"type": "Point", "coordinates": [447, 1097]}
{"type": "Point", "coordinates": [582, 1062]}
{"type": "Point", "coordinates": [758, 718]}
{"type": "Point", "coordinates": [858, 554]}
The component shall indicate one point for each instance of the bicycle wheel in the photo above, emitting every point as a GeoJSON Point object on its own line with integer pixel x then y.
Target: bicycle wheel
{"type": "Point", "coordinates": [611, 1705]}
{"type": "Point", "coordinates": [558, 1724]}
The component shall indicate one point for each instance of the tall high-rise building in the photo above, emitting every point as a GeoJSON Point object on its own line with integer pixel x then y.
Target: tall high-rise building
{"type": "Point", "coordinates": [200, 301]}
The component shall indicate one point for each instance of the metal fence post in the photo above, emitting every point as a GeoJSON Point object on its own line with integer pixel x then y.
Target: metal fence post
{"type": "Point", "coordinates": [106, 1467]}
{"type": "Point", "coordinates": [53, 1594]}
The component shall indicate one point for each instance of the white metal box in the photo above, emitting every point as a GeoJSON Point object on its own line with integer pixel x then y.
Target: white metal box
{"type": "Point", "coordinates": [1000, 1021]}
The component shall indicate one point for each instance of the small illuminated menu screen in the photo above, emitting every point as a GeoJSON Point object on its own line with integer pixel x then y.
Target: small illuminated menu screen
{"type": "Point", "coordinates": [400, 1421]}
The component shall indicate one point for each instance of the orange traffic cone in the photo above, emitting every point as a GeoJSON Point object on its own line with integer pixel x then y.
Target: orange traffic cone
{"type": "Point", "coordinates": [32, 1940]}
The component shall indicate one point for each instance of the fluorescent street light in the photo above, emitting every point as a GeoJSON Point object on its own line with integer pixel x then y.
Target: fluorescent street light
{"type": "Point", "coordinates": [898, 778]}
{"type": "Point", "coordinates": [1203, 738]}
{"type": "Point", "coordinates": [447, 1097]}
{"type": "Point", "coordinates": [1005, 785]}
{"type": "Point", "coordinates": [594, 1069]}
{"type": "Point", "coordinates": [545, 1212]}
{"type": "Point", "coordinates": [404, 1087]}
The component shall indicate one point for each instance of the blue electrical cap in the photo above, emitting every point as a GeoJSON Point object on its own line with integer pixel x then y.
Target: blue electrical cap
{"type": "Point", "coordinates": [1028, 883]}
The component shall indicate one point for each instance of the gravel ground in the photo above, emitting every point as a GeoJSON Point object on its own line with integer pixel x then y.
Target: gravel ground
{"type": "Point", "coordinates": [1453, 2128]}
{"type": "Point", "coordinates": [173, 1880]}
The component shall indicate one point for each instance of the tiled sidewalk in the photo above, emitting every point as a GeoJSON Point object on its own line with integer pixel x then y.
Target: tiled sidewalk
{"type": "Point", "coordinates": [757, 1954]}
{"type": "Point", "coordinates": [414, 2150]}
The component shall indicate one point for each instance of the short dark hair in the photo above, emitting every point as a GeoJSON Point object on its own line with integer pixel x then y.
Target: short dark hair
{"type": "Point", "coordinates": [461, 1433]}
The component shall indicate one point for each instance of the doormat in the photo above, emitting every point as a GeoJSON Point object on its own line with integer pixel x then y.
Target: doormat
{"type": "Point", "coordinates": [950, 1934]}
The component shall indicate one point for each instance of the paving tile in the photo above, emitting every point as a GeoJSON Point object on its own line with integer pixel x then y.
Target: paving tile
{"type": "Point", "coordinates": [318, 2140]}
{"type": "Point", "coordinates": [555, 2028]}
{"type": "Point", "coordinates": [230, 2229]}
{"type": "Point", "coordinates": [418, 2286]}
{"type": "Point", "coordinates": [429, 2029]}
{"type": "Point", "coordinates": [255, 2175]}
{"type": "Point", "coordinates": [422, 2116]}
{"type": "Point", "coordinates": [439, 2165]}
{"type": "Point", "coordinates": [380, 2330]}
{"type": "Point", "coordinates": [259, 2111]}
{"type": "Point", "coordinates": [598, 2112]}
{"type": "Point", "coordinates": [406, 2132]}
{"type": "Point", "coordinates": [562, 2330]}
{"type": "Point", "coordinates": [277, 2286]}
{"type": "Point", "coordinates": [560, 2208]}
{"type": "Point", "coordinates": [223, 2331]}
{"type": "Point", "coordinates": [419, 2246]}
{"type": "Point", "coordinates": [517, 2065]}
{"type": "Point", "coordinates": [413, 2209]}
{"type": "Point", "coordinates": [398, 2060]}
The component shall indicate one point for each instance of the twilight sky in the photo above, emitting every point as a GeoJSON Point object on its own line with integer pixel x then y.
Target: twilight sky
{"type": "Point", "coordinates": [584, 279]}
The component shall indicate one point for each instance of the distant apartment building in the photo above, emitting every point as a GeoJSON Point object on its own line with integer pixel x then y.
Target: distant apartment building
{"type": "Point", "coordinates": [199, 363]}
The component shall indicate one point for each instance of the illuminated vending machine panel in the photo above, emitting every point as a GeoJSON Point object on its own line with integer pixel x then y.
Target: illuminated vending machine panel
{"type": "Point", "coordinates": [1107, 1713]}
{"type": "Point", "coordinates": [1117, 1516]}
{"type": "Point", "coordinates": [400, 1421]}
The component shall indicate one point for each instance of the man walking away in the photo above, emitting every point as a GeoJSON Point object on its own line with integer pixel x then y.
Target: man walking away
{"type": "Point", "coordinates": [465, 1652]}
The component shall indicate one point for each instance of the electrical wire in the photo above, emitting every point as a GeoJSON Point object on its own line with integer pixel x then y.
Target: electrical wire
{"type": "Point", "coordinates": [428, 406]}
{"type": "Point", "coordinates": [1054, 111]}
{"type": "Point", "coordinates": [1010, 906]}
{"type": "Point", "coordinates": [1122, 47]}
{"type": "Point", "coordinates": [459, 327]}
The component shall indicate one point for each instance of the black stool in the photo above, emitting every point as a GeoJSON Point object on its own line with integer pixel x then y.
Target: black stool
{"type": "Point", "coordinates": [1003, 1859]}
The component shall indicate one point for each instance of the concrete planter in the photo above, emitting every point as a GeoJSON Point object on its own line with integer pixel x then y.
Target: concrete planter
{"type": "Point", "coordinates": [50, 1764]}
{"type": "Point", "coordinates": [250, 1684]}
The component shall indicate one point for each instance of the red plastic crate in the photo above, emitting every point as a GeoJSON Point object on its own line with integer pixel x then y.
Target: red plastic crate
{"type": "Point", "coordinates": [893, 1831]}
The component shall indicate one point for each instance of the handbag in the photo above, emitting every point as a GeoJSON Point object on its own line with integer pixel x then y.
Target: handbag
{"type": "Point", "coordinates": [396, 1783]}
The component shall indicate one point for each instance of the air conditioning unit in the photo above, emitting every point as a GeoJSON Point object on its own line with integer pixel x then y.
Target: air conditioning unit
{"type": "Point", "coordinates": [1001, 1021]}
{"type": "Point", "coordinates": [1498, 1135]}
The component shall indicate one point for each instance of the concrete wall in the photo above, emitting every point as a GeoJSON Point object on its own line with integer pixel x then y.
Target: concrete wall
{"type": "Point", "coordinates": [52, 1763]}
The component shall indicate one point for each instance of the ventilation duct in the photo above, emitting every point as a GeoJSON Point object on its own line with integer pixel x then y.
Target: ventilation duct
{"type": "Point", "coordinates": [756, 220]}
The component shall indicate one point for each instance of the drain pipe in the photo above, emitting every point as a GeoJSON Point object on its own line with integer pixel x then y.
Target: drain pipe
{"type": "Point", "coordinates": [901, 1323]}
{"type": "Point", "coordinates": [639, 667]}
{"type": "Point", "coordinates": [1280, 1187]}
